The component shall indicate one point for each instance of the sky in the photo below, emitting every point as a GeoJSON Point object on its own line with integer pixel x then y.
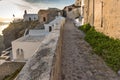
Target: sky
{"type": "Point", "coordinates": [17, 7]}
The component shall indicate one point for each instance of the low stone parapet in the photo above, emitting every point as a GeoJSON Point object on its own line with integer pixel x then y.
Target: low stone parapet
{"type": "Point", "coordinates": [46, 63]}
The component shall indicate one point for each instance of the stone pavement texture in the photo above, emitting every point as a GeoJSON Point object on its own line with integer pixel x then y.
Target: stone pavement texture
{"type": "Point", "coordinates": [78, 62]}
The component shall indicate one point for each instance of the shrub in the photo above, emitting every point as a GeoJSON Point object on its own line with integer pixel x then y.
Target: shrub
{"type": "Point", "coordinates": [107, 48]}
{"type": "Point", "coordinates": [85, 27]}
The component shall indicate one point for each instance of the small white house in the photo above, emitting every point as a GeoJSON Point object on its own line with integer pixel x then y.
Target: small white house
{"type": "Point", "coordinates": [30, 17]}
{"type": "Point", "coordinates": [55, 24]}
{"type": "Point", "coordinates": [25, 47]}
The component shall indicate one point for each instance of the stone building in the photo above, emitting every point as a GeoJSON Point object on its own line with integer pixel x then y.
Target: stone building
{"type": "Point", "coordinates": [72, 11]}
{"type": "Point", "coordinates": [45, 16]}
{"type": "Point", "coordinates": [42, 14]}
{"type": "Point", "coordinates": [69, 8]}
{"type": "Point", "coordinates": [104, 15]}
{"type": "Point", "coordinates": [30, 17]}
{"type": "Point", "coordinates": [78, 3]}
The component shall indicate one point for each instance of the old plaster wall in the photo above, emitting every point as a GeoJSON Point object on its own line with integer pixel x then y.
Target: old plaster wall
{"type": "Point", "coordinates": [104, 15]}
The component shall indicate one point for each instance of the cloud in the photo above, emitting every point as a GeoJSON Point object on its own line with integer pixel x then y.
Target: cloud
{"type": "Point", "coordinates": [58, 2]}
{"type": "Point", "coordinates": [42, 1]}
{"type": "Point", "coordinates": [1, 19]}
{"type": "Point", "coordinates": [22, 6]}
{"type": "Point", "coordinates": [35, 5]}
{"type": "Point", "coordinates": [5, 19]}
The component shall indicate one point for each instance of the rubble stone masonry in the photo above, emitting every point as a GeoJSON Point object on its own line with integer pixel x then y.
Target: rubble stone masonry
{"type": "Point", "coordinates": [104, 15]}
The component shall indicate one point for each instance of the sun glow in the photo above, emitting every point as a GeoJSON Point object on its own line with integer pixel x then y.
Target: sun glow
{"type": "Point", "coordinates": [2, 28]}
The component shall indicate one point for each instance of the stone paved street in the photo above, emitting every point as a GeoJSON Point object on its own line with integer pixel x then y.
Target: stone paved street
{"type": "Point", "coordinates": [78, 62]}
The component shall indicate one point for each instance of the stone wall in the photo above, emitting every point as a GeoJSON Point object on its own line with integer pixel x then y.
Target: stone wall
{"type": "Point", "coordinates": [88, 12]}
{"type": "Point", "coordinates": [45, 16]}
{"type": "Point", "coordinates": [104, 15]}
{"type": "Point", "coordinates": [56, 71]}
{"type": "Point", "coordinates": [53, 12]}
{"type": "Point", "coordinates": [8, 68]}
{"type": "Point", "coordinates": [46, 63]}
{"type": "Point", "coordinates": [74, 13]}
{"type": "Point", "coordinates": [111, 18]}
{"type": "Point", "coordinates": [78, 2]}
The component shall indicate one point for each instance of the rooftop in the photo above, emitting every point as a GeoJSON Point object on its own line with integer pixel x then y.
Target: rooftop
{"type": "Point", "coordinates": [30, 38]}
{"type": "Point", "coordinates": [33, 36]}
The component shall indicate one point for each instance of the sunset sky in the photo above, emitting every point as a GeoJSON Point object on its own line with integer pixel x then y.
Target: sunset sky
{"type": "Point", "coordinates": [17, 7]}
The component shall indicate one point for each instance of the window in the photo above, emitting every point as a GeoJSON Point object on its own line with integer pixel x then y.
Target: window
{"type": "Point", "coordinates": [34, 18]}
{"type": "Point", "coordinates": [44, 19]}
{"type": "Point", "coordinates": [30, 19]}
{"type": "Point", "coordinates": [50, 29]}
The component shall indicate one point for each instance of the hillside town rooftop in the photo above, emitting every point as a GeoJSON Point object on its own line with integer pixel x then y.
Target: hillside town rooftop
{"type": "Point", "coordinates": [30, 38]}
{"type": "Point", "coordinates": [33, 36]}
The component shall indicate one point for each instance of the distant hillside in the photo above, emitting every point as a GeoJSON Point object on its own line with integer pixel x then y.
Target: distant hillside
{"type": "Point", "coordinates": [1, 44]}
{"type": "Point", "coordinates": [16, 30]}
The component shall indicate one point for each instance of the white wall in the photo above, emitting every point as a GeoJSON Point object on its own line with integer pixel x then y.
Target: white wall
{"type": "Point", "coordinates": [38, 32]}
{"type": "Point", "coordinates": [82, 11]}
{"type": "Point", "coordinates": [55, 24]}
{"type": "Point", "coordinates": [32, 16]}
{"type": "Point", "coordinates": [29, 48]}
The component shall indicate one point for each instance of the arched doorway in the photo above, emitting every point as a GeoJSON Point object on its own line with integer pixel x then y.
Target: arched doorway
{"type": "Point", "coordinates": [50, 29]}
{"type": "Point", "coordinates": [30, 19]}
{"type": "Point", "coordinates": [44, 19]}
{"type": "Point", "coordinates": [20, 54]}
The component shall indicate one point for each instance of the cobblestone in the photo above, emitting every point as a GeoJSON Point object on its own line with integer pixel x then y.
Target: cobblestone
{"type": "Point", "coordinates": [78, 62]}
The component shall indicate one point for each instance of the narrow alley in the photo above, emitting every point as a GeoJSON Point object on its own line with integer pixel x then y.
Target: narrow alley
{"type": "Point", "coordinates": [78, 62]}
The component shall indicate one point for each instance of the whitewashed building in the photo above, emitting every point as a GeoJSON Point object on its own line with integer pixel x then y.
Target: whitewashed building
{"type": "Point", "coordinates": [55, 24]}
{"type": "Point", "coordinates": [26, 46]}
{"type": "Point", "coordinates": [30, 17]}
